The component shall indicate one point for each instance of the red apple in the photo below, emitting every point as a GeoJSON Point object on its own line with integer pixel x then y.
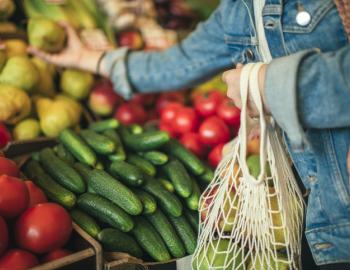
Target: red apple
{"type": "Point", "coordinates": [130, 113]}
{"type": "Point", "coordinates": [131, 39]}
{"type": "Point", "coordinates": [209, 196]}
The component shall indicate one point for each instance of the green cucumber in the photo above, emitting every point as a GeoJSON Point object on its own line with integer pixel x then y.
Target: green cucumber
{"type": "Point", "coordinates": [101, 144]}
{"type": "Point", "coordinates": [207, 176]}
{"type": "Point", "coordinates": [87, 223]}
{"type": "Point", "coordinates": [166, 200]}
{"type": "Point", "coordinates": [191, 162]}
{"type": "Point", "coordinates": [135, 129]}
{"type": "Point", "coordinates": [119, 153]}
{"type": "Point", "coordinates": [107, 186]}
{"type": "Point", "coordinates": [35, 156]}
{"type": "Point", "coordinates": [61, 171]}
{"type": "Point", "coordinates": [64, 154]}
{"type": "Point", "coordinates": [168, 233]}
{"type": "Point", "coordinates": [150, 240]}
{"type": "Point", "coordinates": [77, 147]}
{"type": "Point", "coordinates": [167, 184]}
{"type": "Point", "coordinates": [178, 175]}
{"type": "Point", "coordinates": [148, 201]}
{"type": "Point", "coordinates": [127, 173]}
{"type": "Point", "coordinates": [146, 141]}
{"type": "Point", "coordinates": [103, 125]}
{"type": "Point", "coordinates": [192, 201]}
{"type": "Point", "coordinates": [84, 170]}
{"type": "Point", "coordinates": [155, 157]}
{"type": "Point", "coordinates": [186, 233]}
{"type": "Point", "coordinates": [114, 240]}
{"type": "Point", "coordinates": [193, 219]}
{"type": "Point", "coordinates": [146, 166]}
{"type": "Point", "coordinates": [105, 211]}
{"type": "Point", "coordinates": [53, 191]}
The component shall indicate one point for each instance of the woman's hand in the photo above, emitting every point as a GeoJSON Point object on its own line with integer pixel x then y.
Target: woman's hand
{"type": "Point", "coordinates": [232, 79]}
{"type": "Point", "coordinates": [74, 55]}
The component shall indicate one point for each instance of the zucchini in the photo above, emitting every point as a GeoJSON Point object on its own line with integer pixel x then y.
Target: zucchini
{"type": "Point", "coordinates": [103, 125]}
{"type": "Point", "coordinates": [101, 144]}
{"type": "Point", "coordinates": [87, 223]}
{"type": "Point", "coordinates": [146, 166]}
{"type": "Point", "coordinates": [127, 173]}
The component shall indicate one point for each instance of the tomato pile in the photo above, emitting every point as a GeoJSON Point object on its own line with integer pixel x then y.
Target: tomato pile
{"type": "Point", "coordinates": [40, 229]}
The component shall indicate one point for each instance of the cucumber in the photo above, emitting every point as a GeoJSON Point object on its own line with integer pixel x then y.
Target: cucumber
{"type": "Point", "coordinates": [155, 157]}
{"type": "Point", "coordinates": [77, 147]}
{"type": "Point", "coordinates": [84, 170]}
{"type": "Point", "coordinates": [114, 240]}
{"type": "Point", "coordinates": [191, 162]}
{"type": "Point", "coordinates": [64, 154]}
{"type": "Point", "coordinates": [119, 153]}
{"type": "Point", "coordinates": [207, 176]}
{"type": "Point", "coordinates": [180, 178]}
{"type": "Point", "coordinates": [146, 141]}
{"type": "Point", "coordinates": [61, 171]}
{"type": "Point", "coordinates": [146, 166]}
{"type": "Point", "coordinates": [87, 223]}
{"type": "Point", "coordinates": [192, 201]}
{"type": "Point", "coordinates": [148, 201]}
{"type": "Point", "coordinates": [103, 125]}
{"type": "Point", "coordinates": [166, 200]}
{"type": "Point", "coordinates": [193, 219]}
{"type": "Point", "coordinates": [110, 188]}
{"type": "Point", "coordinates": [54, 191]}
{"type": "Point", "coordinates": [101, 144]}
{"type": "Point", "coordinates": [150, 240]}
{"type": "Point", "coordinates": [127, 173]}
{"type": "Point", "coordinates": [99, 165]}
{"type": "Point", "coordinates": [168, 233]}
{"type": "Point", "coordinates": [136, 129]}
{"type": "Point", "coordinates": [186, 233]}
{"type": "Point", "coordinates": [105, 211]}
{"type": "Point", "coordinates": [167, 184]}
{"type": "Point", "coordinates": [35, 156]}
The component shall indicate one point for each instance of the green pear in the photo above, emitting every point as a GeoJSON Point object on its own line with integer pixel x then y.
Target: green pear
{"type": "Point", "coordinates": [76, 83]}
{"type": "Point", "coordinates": [15, 47]}
{"type": "Point", "coordinates": [19, 71]}
{"type": "Point", "coordinates": [263, 264]}
{"type": "Point", "coordinates": [7, 7]}
{"type": "Point", "coordinates": [253, 162]}
{"type": "Point", "coordinates": [2, 59]}
{"type": "Point", "coordinates": [46, 35]}
{"type": "Point", "coordinates": [26, 130]}
{"type": "Point", "coordinates": [45, 86]}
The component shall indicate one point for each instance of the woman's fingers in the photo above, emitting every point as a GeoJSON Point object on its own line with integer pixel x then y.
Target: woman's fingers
{"type": "Point", "coordinates": [39, 53]}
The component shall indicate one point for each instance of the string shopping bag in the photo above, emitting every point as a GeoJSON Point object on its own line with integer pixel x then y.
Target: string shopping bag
{"type": "Point", "coordinates": [252, 212]}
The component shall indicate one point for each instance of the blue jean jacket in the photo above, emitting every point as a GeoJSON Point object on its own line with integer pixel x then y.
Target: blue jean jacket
{"type": "Point", "coordinates": [229, 37]}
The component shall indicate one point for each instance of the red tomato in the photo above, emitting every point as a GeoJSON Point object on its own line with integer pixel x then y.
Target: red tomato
{"type": "Point", "coordinates": [213, 131]}
{"type": "Point", "coordinates": [43, 228]}
{"type": "Point", "coordinates": [14, 196]}
{"type": "Point", "coordinates": [130, 113]}
{"type": "Point", "coordinates": [5, 136]}
{"type": "Point", "coordinates": [36, 195]}
{"type": "Point", "coordinates": [56, 254]}
{"type": "Point", "coordinates": [193, 143]}
{"type": "Point", "coordinates": [186, 120]}
{"type": "Point", "coordinates": [9, 167]}
{"type": "Point", "coordinates": [228, 112]}
{"type": "Point", "coordinates": [166, 98]}
{"type": "Point", "coordinates": [207, 103]}
{"type": "Point", "coordinates": [4, 236]}
{"type": "Point", "coordinates": [17, 259]}
{"type": "Point", "coordinates": [215, 155]}
{"type": "Point", "coordinates": [168, 113]}
{"type": "Point", "coordinates": [167, 128]}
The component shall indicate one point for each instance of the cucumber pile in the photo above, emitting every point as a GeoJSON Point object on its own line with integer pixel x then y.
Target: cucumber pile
{"type": "Point", "coordinates": [135, 191]}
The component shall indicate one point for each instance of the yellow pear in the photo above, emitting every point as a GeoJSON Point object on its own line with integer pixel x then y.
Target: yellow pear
{"type": "Point", "coordinates": [73, 107]}
{"type": "Point", "coordinates": [7, 27]}
{"type": "Point", "coordinates": [76, 83]}
{"type": "Point", "coordinates": [2, 59]}
{"type": "Point", "coordinates": [15, 47]}
{"type": "Point", "coordinates": [45, 85]}
{"type": "Point", "coordinates": [7, 7]}
{"type": "Point", "coordinates": [26, 130]}
{"type": "Point", "coordinates": [279, 233]}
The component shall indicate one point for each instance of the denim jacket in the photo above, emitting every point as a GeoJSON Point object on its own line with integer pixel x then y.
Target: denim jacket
{"type": "Point", "coordinates": [229, 37]}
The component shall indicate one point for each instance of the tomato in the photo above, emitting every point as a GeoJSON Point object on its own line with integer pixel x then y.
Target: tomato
{"type": "Point", "coordinates": [167, 128]}
{"type": "Point", "coordinates": [17, 259]}
{"type": "Point", "coordinates": [228, 112]}
{"type": "Point", "coordinates": [4, 235]}
{"type": "Point", "coordinates": [207, 103]}
{"type": "Point", "coordinates": [43, 228]}
{"type": "Point", "coordinates": [215, 155]}
{"type": "Point", "coordinates": [186, 120]}
{"type": "Point", "coordinates": [168, 97]}
{"type": "Point", "coordinates": [213, 131]}
{"type": "Point", "coordinates": [9, 167]}
{"type": "Point", "coordinates": [56, 254]}
{"type": "Point", "coordinates": [193, 143]}
{"type": "Point", "coordinates": [36, 195]}
{"type": "Point", "coordinates": [168, 113]}
{"type": "Point", "coordinates": [152, 115]}
{"type": "Point", "coordinates": [5, 136]}
{"type": "Point", "coordinates": [14, 196]}
{"type": "Point", "coordinates": [130, 113]}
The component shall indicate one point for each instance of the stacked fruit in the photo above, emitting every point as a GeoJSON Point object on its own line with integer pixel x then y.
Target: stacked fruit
{"type": "Point", "coordinates": [135, 191]}
{"type": "Point", "coordinates": [39, 228]}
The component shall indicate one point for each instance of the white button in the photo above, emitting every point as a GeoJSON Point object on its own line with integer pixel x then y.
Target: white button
{"type": "Point", "coordinates": [303, 18]}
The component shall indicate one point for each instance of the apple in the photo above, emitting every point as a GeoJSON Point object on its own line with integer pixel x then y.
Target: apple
{"type": "Point", "coordinates": [209, 195]}
{"type": "Point", "coordinates": [131, 39]}
{"type": "Point", "coordinates": [253, 146]}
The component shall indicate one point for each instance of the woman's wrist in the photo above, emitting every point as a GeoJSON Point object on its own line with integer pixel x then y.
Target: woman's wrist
{"type": "Point", "coordinates": [89, 60]}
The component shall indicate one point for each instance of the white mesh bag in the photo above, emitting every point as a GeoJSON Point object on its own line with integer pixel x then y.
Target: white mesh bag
{"type": "Point", "coordinates": [251, 213]}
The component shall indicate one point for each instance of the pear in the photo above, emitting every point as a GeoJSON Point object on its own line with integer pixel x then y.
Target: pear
{"type": "Point", "coordinates": [46, 35]}
{"type": "Point", "coordinates": [21, 72]}
{"type": "Point", "coordinates": [73, 107]}
{"type": "Point", "coordinates": [26, 130]}
{"type": "Point", "coordinates": [7, 7]}
{"type": "Point", "coordinates": [45, 86]}
{"type": "Point", "coordinates": [15, 47]}
{"type": "Point", "coordinates": [76, 83]}
{"type": "Point", "coordinates": [2, 59]}
{"type": "Point", "coordinates": [253, 162]}
{"type": "Point", "coordinates": [7, 27]}
{"type": "Point", "coordinates": [262, 263]}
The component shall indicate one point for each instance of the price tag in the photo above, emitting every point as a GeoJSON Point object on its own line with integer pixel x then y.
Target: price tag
{"type": "Point", "coordinates": [95, 39]}
{"type": "Point", "coordinates": [55, 2]}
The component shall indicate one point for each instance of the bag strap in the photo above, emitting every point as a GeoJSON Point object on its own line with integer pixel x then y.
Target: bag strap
{"type": "Point", "coordinates": [343, 7]}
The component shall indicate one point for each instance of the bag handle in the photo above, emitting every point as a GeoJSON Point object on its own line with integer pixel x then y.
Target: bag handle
{"type": "Point", "coordinates": [249, 84]}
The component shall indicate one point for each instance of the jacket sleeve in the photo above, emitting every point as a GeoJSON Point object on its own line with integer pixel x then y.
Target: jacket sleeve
{"type": "Point", "coordinates": [201, 55]}
{"type": "Point", "coordinates": [309, 90]}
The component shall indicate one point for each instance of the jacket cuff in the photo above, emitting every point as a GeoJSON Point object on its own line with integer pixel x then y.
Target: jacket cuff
{"type": "Point", "coordinates": [114, 62]}
{"type": "Point", "coordinates": [281, 89]}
